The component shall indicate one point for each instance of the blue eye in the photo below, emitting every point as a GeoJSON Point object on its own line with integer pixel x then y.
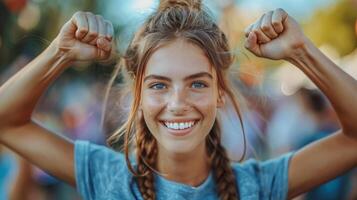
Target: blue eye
{"type": "Point", "coordinates": [158, 86]}
{"type": "Point", "coordinates": [198, 85]}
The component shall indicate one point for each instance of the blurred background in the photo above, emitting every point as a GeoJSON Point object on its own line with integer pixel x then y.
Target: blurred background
{"type": "Point", "coordinates": [285, 110]}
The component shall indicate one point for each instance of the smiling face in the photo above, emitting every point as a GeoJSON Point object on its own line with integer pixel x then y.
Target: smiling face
{"type": "Point", "coordinates": [179, 97]}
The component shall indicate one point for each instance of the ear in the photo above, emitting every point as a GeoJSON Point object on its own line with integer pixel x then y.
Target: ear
{"type": "Point", "coordinates": [221, 101]}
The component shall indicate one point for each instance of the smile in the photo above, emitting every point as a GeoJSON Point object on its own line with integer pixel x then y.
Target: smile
{"type": "Point", "coordinates": [179, 125]}
{"type": "Point", "coordinates": [181, 128]}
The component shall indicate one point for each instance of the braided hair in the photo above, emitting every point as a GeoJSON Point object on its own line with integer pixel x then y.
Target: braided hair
{"type": "Point", "coordinates": [174, 19]}
{"type": "Point", "coordinates": [220, 164]}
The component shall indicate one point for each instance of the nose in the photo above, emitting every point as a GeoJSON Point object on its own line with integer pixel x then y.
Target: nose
{"type": "Point", "coordinates": [177, 103]}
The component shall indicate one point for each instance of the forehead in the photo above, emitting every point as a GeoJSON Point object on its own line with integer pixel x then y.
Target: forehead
{"type": "Point", "coordinates": [178, 59]}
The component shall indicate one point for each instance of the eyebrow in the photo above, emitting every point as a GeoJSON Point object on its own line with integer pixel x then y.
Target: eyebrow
{"type": "Point", "coordinates": [193, 76]}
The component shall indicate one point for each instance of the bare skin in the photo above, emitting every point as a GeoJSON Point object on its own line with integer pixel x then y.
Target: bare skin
{"type": "Point", "coordinates": [169, 94]}
{"type": "Point", "coordinates": [19, 95]}
{"type": "Point", "coordinates": [21, 185]}
{"type": "Point", "coordinates": [277, 36]}
{"type": "Point", "coordinates": [190, 169]}
{"type": "Point", "coordinates": [274, 36]}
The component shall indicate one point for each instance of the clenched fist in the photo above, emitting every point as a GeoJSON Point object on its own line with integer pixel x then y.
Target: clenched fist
{"type": "Point", "coordinates": [275, 36]}
{"type": "Point", "coordinates": [86, 37]}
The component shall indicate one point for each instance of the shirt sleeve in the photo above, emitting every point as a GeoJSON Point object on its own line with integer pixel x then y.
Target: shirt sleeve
{"type": "Point", "coordinates": [95, 168]}
{"type": "Point", "coordinates": [272, 176]}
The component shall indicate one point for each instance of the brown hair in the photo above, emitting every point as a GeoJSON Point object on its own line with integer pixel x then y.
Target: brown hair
{"type": "Point", "coordinates": [186, 20]}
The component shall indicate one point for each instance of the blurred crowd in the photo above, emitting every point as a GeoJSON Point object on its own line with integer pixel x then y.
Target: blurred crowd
{"type": "Point", "coordinates": [282, 112]}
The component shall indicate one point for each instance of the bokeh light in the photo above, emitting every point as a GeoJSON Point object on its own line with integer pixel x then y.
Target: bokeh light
{"type": "Point", "coordinates": [29, 17]}
{"type": "Point", "coordinates": [15, 5]}
{"type": "Point", "coordinates": [72, 106]}
{"type": "Point", "coordinates": [142, 5]}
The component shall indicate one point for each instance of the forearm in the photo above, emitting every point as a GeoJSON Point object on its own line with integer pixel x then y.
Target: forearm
{"type": "Point", "coordinates": [22, 183]}
{"type": "Point", "coordinates": [338, 86]}
{"type": "Point", "coordinates": [19, 95]}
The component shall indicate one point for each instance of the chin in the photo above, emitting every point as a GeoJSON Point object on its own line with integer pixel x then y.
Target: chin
{"type": "Point", "coordinates": [180, 147]}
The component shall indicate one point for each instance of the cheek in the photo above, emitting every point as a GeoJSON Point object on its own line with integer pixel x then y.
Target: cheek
{"type": "Point", "coordinates": [151, 106]}
{"type": "Point", "coordinates": [206, 102]}
{"type": "Point", "coordinates": [152, 102]}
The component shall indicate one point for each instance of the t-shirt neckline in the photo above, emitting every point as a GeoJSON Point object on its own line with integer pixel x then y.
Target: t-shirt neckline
{"type": "Point", "coordinates": [175, 187]}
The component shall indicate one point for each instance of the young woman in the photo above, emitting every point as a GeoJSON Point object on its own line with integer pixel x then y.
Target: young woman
{"type": "Point", "coordinates": [177, 64]}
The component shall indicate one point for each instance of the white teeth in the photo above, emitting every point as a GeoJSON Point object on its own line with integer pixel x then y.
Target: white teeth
{"type": "Point", "coordinates": [182, 125]}
{"type": "Point", "coordinates": [179, 126]}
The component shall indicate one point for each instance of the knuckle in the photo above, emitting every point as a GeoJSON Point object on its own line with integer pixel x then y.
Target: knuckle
{"type": "Point", "coordinates": [93, 42]}
{"type": "Point", "coordinates": [256, 31]}
{"type": "Point", "coordinates": [265, 27]}
{"type": "Point", "coordinates": [99, 17]}
{"type": "Point", "coordinates": [280, 10]}
{"type": "Point", "coordinates": [92, 34]}
{"type": "Point", "coordinates": [90, 15]}
{"type": "Point", "coordinates": [275, 23]}
{"type": "Point", "coordinates": [78, 14]}
{"type": "Point", "coordinates": [83, 30]}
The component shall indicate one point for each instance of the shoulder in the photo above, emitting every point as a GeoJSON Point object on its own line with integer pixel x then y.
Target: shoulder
{"type": "Point", "coordinates": [98, 159]}
{"type": "Point", "coordinates": [263, 178]}
{"type": "Point", "coordinates": [100, 170]}
{"type": "Point", "coordinates": [97, 154]}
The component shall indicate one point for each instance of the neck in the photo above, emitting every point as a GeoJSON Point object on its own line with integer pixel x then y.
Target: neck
{"type": "Point", "coordinates": [188, 168]}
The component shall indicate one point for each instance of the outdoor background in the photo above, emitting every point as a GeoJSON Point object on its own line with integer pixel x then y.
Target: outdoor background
{"type": "Point", "coordinates": [285, 111]}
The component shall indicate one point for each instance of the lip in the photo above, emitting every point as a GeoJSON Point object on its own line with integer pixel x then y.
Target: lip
{"type": "Point", "coordinates": [179, 133]}
{"type": "Point", "coordinates": [179, 120]}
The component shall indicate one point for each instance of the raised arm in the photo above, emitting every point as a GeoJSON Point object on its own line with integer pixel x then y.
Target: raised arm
{"type": "Point", "coordinates": [20, 185]}
{"type": "Point", "coordinates": [84, 37]}
{"type": "Point", "coordinates": [277, 36]}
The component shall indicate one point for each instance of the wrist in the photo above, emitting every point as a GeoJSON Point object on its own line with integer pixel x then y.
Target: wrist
{"type": "Point", "coordinates": [301, 51]}
{"type": "Point", "coordinates": [56, 53]}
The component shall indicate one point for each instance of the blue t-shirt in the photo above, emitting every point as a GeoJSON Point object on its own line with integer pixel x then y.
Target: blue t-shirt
{"type": "Point", "coordinates": [102, 174]}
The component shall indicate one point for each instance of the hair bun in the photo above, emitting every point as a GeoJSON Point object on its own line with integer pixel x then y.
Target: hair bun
{"type": "Point", "coordinates": [193, 4]}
